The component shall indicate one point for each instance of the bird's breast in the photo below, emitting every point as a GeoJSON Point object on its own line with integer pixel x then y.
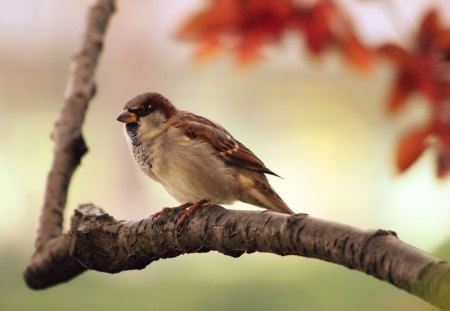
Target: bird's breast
{"type": "Point", "coordinates": [144, 156]}
{"type": "Point", "coordinates": [190, 171]}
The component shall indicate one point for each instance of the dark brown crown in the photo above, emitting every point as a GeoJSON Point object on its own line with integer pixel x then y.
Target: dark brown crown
{"type": "Point", "coordinates": [147, 103]}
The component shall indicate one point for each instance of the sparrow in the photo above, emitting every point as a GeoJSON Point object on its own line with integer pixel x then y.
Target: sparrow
{"type": "Point", "coordinates": [195, 159]}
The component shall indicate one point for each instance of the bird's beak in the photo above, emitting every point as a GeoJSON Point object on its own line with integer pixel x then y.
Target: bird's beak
{"type": "Point", "coordinates": [127, 117]}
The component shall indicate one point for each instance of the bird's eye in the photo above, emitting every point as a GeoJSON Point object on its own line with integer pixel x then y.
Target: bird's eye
{"type": "Point", "coordinates": [143, 110]}
{"type": "Point", "coordinates": [146, 110]}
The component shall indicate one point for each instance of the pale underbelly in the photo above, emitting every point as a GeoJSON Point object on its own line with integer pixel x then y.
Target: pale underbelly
{"type": "Point", "coordinates": [195, 186]}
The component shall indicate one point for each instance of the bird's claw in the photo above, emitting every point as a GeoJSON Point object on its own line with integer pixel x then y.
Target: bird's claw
{"type": "Point", "coordinates": [189, 210]}
{"type": "Point", "coordinates": [165, 210]}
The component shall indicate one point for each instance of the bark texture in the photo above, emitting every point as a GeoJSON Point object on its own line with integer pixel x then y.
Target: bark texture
{"type": "Point", "coordinates": [102, 243]}
{"type": "Point", "coordinates": [99, 242]}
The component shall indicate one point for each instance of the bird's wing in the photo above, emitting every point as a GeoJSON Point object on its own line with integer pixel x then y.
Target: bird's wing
{"type": "Point", "coordinates": [226, 147]}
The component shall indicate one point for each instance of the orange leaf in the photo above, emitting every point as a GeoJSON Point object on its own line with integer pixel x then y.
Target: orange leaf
{"type": "Point", "coordinates": [207, 48]}
{"type": "Point", "coordinates": [218, 16]}
{"type": "Point", "coordinates": [249, 48]}
{"type": "Point", "coordinates": [395, 53]}
{"type": "Point", "coordinates": [356, 53]}
{"type": "Point", "coordinates": [411, 147]}
{"type": "Point", "coordinates": [192, 27]}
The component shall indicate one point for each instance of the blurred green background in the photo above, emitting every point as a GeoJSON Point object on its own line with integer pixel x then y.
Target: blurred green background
{"type": "Point", "coordinates": [318, 124]}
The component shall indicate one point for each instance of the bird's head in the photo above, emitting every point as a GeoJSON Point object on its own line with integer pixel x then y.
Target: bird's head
{"type": "Point", "coordinates": [145, 116]}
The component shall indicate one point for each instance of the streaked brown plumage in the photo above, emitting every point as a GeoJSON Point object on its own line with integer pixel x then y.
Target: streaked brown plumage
{"type": "Point", "coordinates": [194, 158]}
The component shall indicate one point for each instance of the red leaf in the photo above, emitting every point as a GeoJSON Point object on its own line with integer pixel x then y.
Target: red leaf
{"type": "Point", "coordinates": [428, 30]}
{"type": "Point", "coordinates": [249, 48]}
{"type": "Point", "coordinates": [443, 165]}
{"type": "Point", "coordinates": [411, 147]}
{"type": "Point", "coordinates": [319, 21]}
{"type": "Point", "coordinates": [401, 90]}
{"type": "Point", "coordinates": [443, 153]}
{"type": "Point", "coordinates": [442, 42]}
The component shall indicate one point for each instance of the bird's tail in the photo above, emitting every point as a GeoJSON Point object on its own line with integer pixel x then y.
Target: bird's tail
{"type": "Point", "coordinates": [256, 190]}
{"type": "Point", "coordinates": [278, 205]}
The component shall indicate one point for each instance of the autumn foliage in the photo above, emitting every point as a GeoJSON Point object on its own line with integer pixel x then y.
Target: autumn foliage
{"type": "Point", "coordinates": [424, 68]}
{"type": "Point", "coordinates": [245, 27]}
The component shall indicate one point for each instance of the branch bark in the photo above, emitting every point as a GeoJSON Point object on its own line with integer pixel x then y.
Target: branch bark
{"type": "Point", "coordinates": [69, 148]}
{"type": "Point", "coordinates": [99, 242]}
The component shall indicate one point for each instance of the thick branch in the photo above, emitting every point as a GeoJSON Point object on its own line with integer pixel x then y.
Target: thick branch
{"type": "Point", "coordinates": [101, 243]}
{"type": "Point", "coordinates": [69, 143]}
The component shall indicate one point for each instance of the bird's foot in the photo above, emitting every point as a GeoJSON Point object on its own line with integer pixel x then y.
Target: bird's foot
{"type": "Point", "coordinates": [161, 212]}
{"type": "Point", "coordinates": [165, 210]}
{"type": "Point", "coordinates": [189, 210]}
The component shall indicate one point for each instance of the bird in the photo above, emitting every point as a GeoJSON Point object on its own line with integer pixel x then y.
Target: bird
{"type": "Point", "coordinates": [195, 159]}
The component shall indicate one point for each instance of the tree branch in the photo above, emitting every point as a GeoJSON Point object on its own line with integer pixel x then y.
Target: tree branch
{"type": "Point", "coordinates": [69, 147]}
{"type": "Point", "coordinates": [101, 243]}
{"type": "Point", "coordinates": [97, 241]}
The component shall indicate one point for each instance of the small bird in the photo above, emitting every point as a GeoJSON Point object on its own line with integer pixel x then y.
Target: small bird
{"type": "Point", "coordinates": [195, 159]}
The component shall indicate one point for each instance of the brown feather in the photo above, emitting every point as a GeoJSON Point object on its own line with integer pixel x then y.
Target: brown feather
{"type": "Point", "coordinates": [229, 149]}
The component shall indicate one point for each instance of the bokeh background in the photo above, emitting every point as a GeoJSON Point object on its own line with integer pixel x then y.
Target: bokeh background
{"type": "Point", "coordinates": [319, 124]}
